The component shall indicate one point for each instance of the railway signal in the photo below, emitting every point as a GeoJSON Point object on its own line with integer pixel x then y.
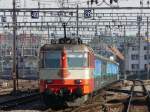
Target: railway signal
{"type": "Point", "coordinates": [87, 13]}
{"type": "Point", "coordinates": [34, 14]}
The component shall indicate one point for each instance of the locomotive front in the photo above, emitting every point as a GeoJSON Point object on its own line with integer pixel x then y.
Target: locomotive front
{"type": "Point", "coordinates": [66, 70]}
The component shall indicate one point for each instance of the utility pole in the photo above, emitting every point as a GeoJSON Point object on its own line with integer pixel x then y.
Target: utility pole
{"type": "Point", "coordinates": [77, 19]}
{"type": "Point", "coordinates": [48, 31]}
{"type": "Point", "coordinates": [148, 56]}
{"type": "Point", "coordinates": [14, 75]}
{"type": "Point", "coordinates": [139, 19]}
{"type": "Point", "coordinates": [125, 52]}
{"type": "Point", "coordinates": [65, 35]}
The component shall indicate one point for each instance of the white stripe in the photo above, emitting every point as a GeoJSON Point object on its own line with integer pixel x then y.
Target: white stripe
{"type": "Point", "coordinates": [74, 74]}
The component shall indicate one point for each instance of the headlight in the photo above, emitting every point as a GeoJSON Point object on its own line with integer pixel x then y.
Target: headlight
{"type": "Point", "coordinates": [49, 81]}
{"type": "Point", "coordinates": [78, 81]}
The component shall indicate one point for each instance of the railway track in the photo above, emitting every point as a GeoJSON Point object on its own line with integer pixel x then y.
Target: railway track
{"type": "Point", "coordinates": [138, 102]}
{"type": "Point", "coordinates": [104, 101]}
{"type": "Point", "coordinates": [21, 100]}
{"type": "Point", "coordinates": [96, 103]}
{"type": "Point", "coordinates": [128, 103]}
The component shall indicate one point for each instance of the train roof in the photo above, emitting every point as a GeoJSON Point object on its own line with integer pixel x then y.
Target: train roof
{"type": "Point", "coordinates": [104, 58]}
{"type": "Point", "coordinates": [74, 47]}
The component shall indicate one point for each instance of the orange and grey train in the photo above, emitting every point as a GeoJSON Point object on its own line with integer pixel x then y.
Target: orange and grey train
{"type": "Point", "coordinates": [73, 70]}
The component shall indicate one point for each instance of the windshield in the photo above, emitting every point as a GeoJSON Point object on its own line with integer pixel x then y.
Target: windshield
{"type": "Point", "coordinates": [77, 59]}
{"type": "Point", "coordinates": [51, 59]}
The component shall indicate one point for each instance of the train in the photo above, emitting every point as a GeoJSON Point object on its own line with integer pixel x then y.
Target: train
{"type": "Point", "coordinates": [70, 69]}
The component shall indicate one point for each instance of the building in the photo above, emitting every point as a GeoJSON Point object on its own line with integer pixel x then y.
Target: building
{"type": "Point", "coordinates": [27, 46]}
{"type": "Point", "coordinates": [137, 58]}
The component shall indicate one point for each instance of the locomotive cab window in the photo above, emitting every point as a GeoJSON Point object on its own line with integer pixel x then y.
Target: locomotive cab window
{"type": "Point", "coordinates": [77, 59]}
{"type": "Point", "coordinates": [50, 59]}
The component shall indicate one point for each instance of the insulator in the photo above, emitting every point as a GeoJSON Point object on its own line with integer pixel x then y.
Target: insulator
{"type": "Point", "coordinates": [111, 1]}
{"type": "Point", "coordinates": [141, 3]}
{"type": "Point", "coordinates": [96, 1]}
{"type": "Point", "coordinates": [116, 1]}
{"type": "Point", "coordinates": [87, 2]}
{"type": "Point", "coordinates": [92, 2]}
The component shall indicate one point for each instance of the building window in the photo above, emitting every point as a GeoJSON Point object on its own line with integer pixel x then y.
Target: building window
{"type": "Point", "coordinates": [134, 48]}
{"type": "Point", "coordinates": [134, 56]}
{"type": "Point", "coordinates": [135, 66]}
{"type": "Point", "coordinates": [146, 47]}
{"type": "Point", "coordinates": [146, 66]}
{"type": "Point", "coordinates": [146, 57]}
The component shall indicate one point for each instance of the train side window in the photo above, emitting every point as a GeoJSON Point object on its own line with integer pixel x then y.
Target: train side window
{"type": "Point", "coordinates": [89, 59]}
{"type": "Point", "coordinates": [41, 61]}
{"type": "Point", "coordinates": [93, 61]}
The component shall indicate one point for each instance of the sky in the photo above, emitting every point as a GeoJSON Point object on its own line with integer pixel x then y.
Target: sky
{"type": "Point", "coordinates": [56, 3]}
{"type": "Point", "coordinates": [82, 3]}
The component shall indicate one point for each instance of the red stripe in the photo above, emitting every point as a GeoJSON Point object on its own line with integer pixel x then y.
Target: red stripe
{"type": "Point", "coordinates": [87, 85]}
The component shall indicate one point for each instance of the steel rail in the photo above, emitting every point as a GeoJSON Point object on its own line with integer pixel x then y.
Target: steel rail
{"type": "Point", "coordinates": [131, 96]}
{"type": "Point", "coordinates": [18, 101]}
{"type": "Point", "coordinates": [148, 94]}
